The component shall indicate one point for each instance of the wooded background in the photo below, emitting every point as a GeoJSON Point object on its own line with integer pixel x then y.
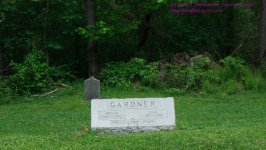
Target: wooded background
{"type": "Point", "coordinates": [82, 36]}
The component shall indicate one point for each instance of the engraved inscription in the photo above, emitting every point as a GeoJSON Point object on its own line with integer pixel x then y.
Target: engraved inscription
{"type": "Point", "coordinates": [155, 114]}
{"type": "Point", "coordinates": [132, 122]}
{"type": "Point", "coordinates": [120, 122]}
{"type": "Point", "coordinates": [107, 115]}
{"type": "Point", "coordinates": [148, 121]}
{"type": "Point", "coordinates": [131, 104]}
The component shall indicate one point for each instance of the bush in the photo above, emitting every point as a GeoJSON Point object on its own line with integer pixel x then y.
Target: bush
{"type": "Point", "coordinates": [189, 78]}
{"type": "Point", "coordinates": [5, 90]}
{"type": "Point", "coordinates": [115, 75]}
{"type": "Point", "coordinates": [34, 75]}
{"type": "Point", "coordinates": [202, 62]}
{"type": "Point", "coordinates": [205, 76]}
{"type": "Point", "coordinates": [263, 69]}
{"type": "Point", "coordinates": [231, 87]}
{"type": "Point", "coordinates": [126, 74]}
{"type": "Point", "coordinates": [235, 69]}
{"type": "Point", "coordinates": [182, 77]}
{"type": "Point", "coordinates": [253, 80]}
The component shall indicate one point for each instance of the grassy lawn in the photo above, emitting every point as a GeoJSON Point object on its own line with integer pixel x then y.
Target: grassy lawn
{"type": "Point", "coordinates": [203, 122]}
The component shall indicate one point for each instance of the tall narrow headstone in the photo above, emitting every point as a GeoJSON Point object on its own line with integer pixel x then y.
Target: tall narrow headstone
{"type": "Point", "coordinates": [91, 88]}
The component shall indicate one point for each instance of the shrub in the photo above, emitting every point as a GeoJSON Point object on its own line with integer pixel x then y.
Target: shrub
{"type": "Point", "coordinates": [187, 78]}
{"type": "Point", "coordinates": [235, 69]}
{"type": "Point", "coordinates": [202, 62]}
{"type": "Point", "coordinates": [205, 76]}
{"type": "Point", "coordinates": [232, 87]}
{"type": "Point", "coordinates": [126, 74]}
{"type": "Point", "coordinates": [253, 80]}
{"type": "Point", "coordinates": [34, 75]}
{"type": "Point", "coordinates": [263, 68]}
{"type": "Point", "coordinates": [5, 90]}
{"type": "Point", "coordinates": [115, 75]}
{"type": "Point", "coordinates": [181, 77]}
{"type": "Point", "coordinates": [211, 83]}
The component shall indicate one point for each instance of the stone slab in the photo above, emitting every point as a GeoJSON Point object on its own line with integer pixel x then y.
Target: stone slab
{"type": "Point", "coordinates": [133, 114]}
{"type": "Point", "coordinates": [91, 88]}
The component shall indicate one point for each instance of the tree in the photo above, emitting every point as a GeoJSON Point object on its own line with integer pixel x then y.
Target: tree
{"type": "Point", "coordinates": [262, 30]}
{"type": "Point", "coordinates": [90, 7]}
{"type": "Point", "coordinates": [1, 61]}
{"type": "Point", "coordinates": [45, 32]}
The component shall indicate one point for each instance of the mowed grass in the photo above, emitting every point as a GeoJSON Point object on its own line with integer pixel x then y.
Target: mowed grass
{"type": "Point", "coordinates": [60, 121]}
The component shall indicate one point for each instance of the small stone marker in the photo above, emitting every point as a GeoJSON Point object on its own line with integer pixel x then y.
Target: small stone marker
{"type": "Point", "coordinates": [91, 88]}
{"type": "Point", "coordinates": [132, 114]}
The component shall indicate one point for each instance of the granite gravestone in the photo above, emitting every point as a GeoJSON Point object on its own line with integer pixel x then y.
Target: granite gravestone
{"type": "Point", "coordinates": [91, 88]}
{"type": "Point", "coordinates": [132, 114]}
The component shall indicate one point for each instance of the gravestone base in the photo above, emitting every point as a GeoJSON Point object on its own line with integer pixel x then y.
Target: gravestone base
{"type": "Point", "coordinates": [133, 129]}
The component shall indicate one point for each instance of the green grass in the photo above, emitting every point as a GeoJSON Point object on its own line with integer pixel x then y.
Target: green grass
{"type": "Point", "coordinates": [203, 122]}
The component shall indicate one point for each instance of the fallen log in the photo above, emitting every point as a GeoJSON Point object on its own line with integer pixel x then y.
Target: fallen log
{"type": "Point", "coordinates": [53, 91]}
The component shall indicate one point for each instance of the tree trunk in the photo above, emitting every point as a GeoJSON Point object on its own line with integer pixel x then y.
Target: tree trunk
{"type": "Point", "coordinates": [144, 30]}
{"type": "Point", "coordinates": [90, 6]}
{"type": "Point", "coordinates": [230, 32]}
{"type": "Point", "coordinates": [45, 33]}
{"type": "Point", "coordinates": [1, 61]}
{"type": "Point", "coordinates": [262, 31]}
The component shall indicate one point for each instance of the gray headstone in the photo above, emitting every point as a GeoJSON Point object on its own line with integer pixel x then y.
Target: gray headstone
{"type": "Point", "coordinates": [91, 88]}
{"type": "Point", "coordinates": [133, 114]}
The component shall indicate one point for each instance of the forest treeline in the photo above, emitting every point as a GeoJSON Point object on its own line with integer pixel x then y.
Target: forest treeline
{"type": "Point", "coordinates": [54, 40]}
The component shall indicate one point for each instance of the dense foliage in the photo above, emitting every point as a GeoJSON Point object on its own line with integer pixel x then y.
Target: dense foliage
{"type": "Point", "coordinates": [228, 76]}
{"type": "Point", "coordinates": [123, 30]}
{"type": "Point", "coordinates": [33, 75]}
{"type": "Point", "coordinates": [126, 74]}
